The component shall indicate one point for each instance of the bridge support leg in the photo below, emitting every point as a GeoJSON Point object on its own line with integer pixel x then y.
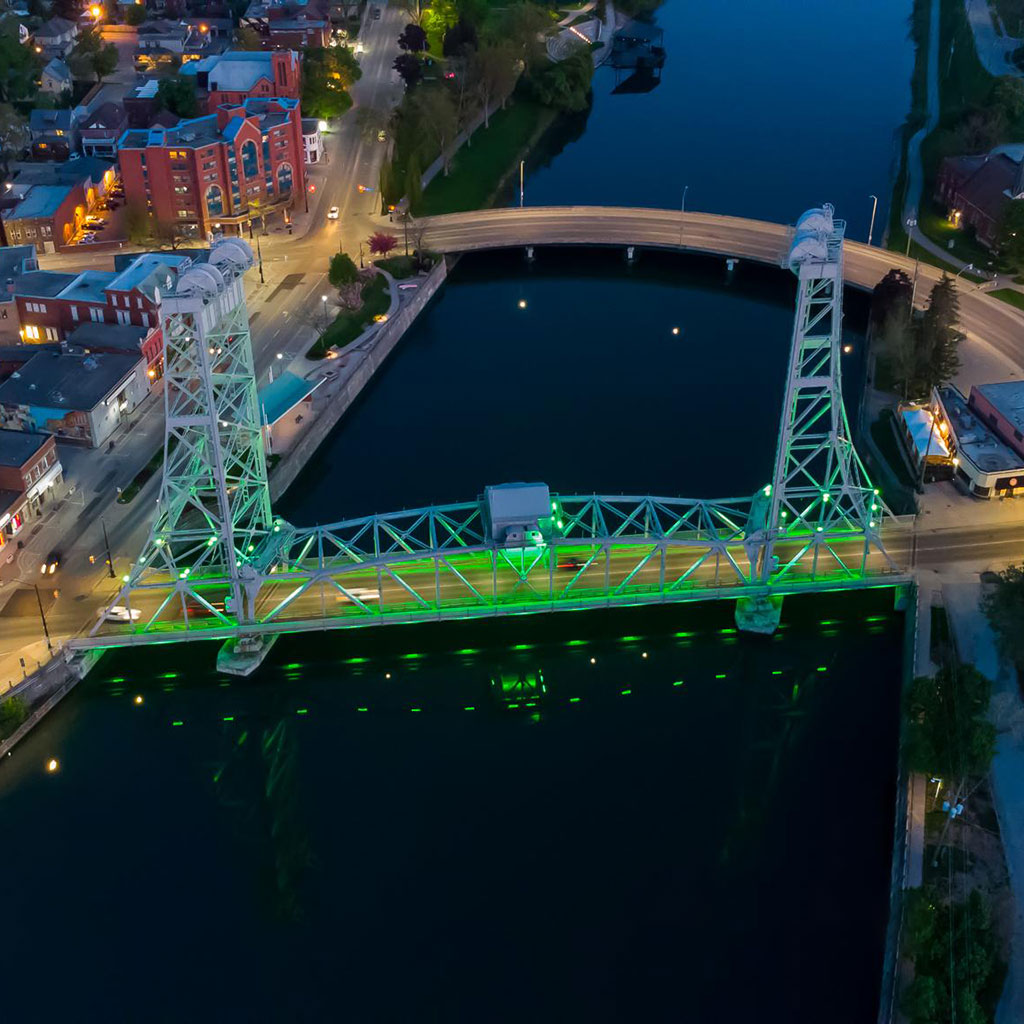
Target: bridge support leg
{"type": "Point", "coordinates": [241, 656]}
{"type": "Point", "coordinates": [903, 597]}
{"type": "Point", "coordinates": [631, 254]}
{"type": "Point", "coordinates": [529, 254]}
{"type": "Point", "coordinates": [759, 614]}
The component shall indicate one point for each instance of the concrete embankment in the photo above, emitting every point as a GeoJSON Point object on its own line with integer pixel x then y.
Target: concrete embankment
{"type": "Point", "coordinates": [368, 360]}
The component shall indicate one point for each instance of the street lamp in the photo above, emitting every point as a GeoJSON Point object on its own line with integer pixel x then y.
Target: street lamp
{"type": "Point", "coordinates": [874, 210]}
{"type": "Point", "coordinates": [911, 224]}
{"type": "Point", "coordinates": [682, 210]}
{"type": "Point", "coordinates": [969, 266]}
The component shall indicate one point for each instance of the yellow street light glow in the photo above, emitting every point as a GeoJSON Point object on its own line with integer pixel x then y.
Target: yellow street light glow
{"type": "Point", "coordinates": [52, 765]}
{"type": "Point", "coordinates": [138, 698]}
{"type": "Point", "coordinates": [96, 11]}
{"type": "Point", "coordinates": [522, 303]}
{"type": "Point", "coordinates": [675, 330]}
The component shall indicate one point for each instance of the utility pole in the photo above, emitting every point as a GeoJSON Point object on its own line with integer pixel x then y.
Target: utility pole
{"type": "Point", "coordinates": [522, 183]}
{"type": "Point", "coordinates": [42, 615]}
{"type": "Point", "coordinates": [874, 210]}
{"type": "Point", "coordinates": [682, 211]}
{"type": "Point", "coordinates": [106, 544]}
{"type": "Point", "coordinates": [259, 256]}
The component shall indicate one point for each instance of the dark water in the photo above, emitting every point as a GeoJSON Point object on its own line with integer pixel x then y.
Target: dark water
{"type": "Point", "coordinates": [632, 850]}
{"type": "Point", "coordinates": [714, 850]}
{"type": "Point", "coordinates": [765, 108]}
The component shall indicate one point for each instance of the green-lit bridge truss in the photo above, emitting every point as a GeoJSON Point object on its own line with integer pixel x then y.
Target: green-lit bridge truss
{"type": "Point", "coordinates": [438, 563]}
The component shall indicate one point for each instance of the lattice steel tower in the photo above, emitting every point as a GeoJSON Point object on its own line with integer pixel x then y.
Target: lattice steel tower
{"type": "Point", "coordinates": [820, 491]}
{"type": "Point", "coordinates": [213, 513]}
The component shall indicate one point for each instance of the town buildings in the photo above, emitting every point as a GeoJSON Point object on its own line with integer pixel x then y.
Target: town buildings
{"type": "Point", "coordinates": [217, 173]}
{"type": "Point", "coordinates": [31, 477]}
{"type": "Point", "coordinates": [15, 261]}
{"type": "Point", "coordinates": [234, 77]}
{"type": "Point", "coordinates": [55, 78]}
{"type": "Point", "coordinates": [54, 134]}
{"type": "Point", "coordinates": [291, 24]}
{"type": "Point", "coordinates": [100, 130]}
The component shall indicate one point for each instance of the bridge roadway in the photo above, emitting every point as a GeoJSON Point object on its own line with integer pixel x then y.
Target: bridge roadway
{"type": "Point", "coordinates": [985, 320]}
{"type": "Point", "coordinates": [467, 584]}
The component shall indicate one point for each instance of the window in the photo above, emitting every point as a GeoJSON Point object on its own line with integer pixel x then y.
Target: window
{"type": "Point", "coordinates": [138, 302]}
{"type": "Point", "coordinates": [123, 317]}
{"type": "Point", "coordinates": [250, 159]}
{"type": "Point", "coordinates": [214, 200]}
{"type": "Point", "coordinates": [51, 333]}
{"type": "Point", "coordinates": [74, 313]}
{"type": "Point", "coordinates": [96, 315]}
{"type": "Point", "coordinates": [284, 177]}
{"type": "Point", "coordinates": [32, 333]}
{"type": "Point", "coordinates": [181, 189]}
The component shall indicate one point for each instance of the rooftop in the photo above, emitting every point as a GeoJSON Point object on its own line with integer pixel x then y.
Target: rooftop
{"type": "Point", "coordinates": [39, 201]}
{"type": "Point", "coordinates": [43, 284]}
{"type": "Point", "coordinates": [234, 71]}
{"type": "Point", "coordinates": [58, 69]}
{"type": "Point", "coordinates": [88, 286]}
{"type": "Point", "coordinates": [40, 120]}
{"type": "Point", "coordinates": [278, 398]}
{"type": "Point", "coordinates": [107, 115]}
{"type": "Point", "coordinates": [16, 260]}
{"type": "Point", "coordinates": [927, 439]}
{"type": "Point", "coordinates": [17, 447]}
{"type": "Point", "coordinates": [66, 380]}
{"type": "Point", "coordinates": [973, 440]}
{"type": "Point", "coordinates": [149, 272]}
{"type": "Point", "coordinates": [120, 336]}
{"type": "Point", "coordinates": [54, 28]}
{"type": "Point", "coordinates": [1007, 397]}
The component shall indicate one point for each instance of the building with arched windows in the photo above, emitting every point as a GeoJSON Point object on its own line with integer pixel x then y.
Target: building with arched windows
{"type": "Point", "coordinates": [217, 174]}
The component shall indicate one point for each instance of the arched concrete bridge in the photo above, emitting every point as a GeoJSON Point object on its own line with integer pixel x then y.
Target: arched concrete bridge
{"type": "Point", "coordinates": [985, 320]}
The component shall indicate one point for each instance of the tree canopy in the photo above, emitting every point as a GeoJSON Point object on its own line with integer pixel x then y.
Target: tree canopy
{"type": "Point", "coordinates": [565, 85]}
{"type": "Point", "coordinates": [413, 38]}
{"type": "Point", "coordinates": [178, 94]}
{"type": "Point", "coordinates": [327, 75]}
{"type": "Point", "coordinates": [19, 65]}
{"type": "Point", "coordinates": [342, 270]}
{"type": "Point", "coordinates": [381, 243]}
{"type": "Point", "coordinates": [409, 68]}
{"type": "Point", "coordinates": [92, 56]}
{"type": "Point", "coordinates": [135, 14]}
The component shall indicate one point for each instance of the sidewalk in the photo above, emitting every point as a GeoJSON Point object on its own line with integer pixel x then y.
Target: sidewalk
{"type": "Point", "coordinates": [993, 49]}
{"type": "Point", "coordinates": [976, 644]}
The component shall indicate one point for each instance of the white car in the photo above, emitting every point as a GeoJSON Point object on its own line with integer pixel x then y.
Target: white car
{"type": "Point", "coordinates": [332, 213]}
{"type": "Point", "coordinates": [119, 613]}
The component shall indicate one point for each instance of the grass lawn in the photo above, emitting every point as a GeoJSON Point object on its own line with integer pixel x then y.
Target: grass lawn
{"type": "Point", "coordinates": [478, 167]}
{"type": "Point", "coordinates": [348, 325]}
{"type": "Point", "coordinates": [397, 266]}
{"type": "Point", "coordinates": [1014, 298]}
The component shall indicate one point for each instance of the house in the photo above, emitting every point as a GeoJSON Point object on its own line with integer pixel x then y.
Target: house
{"type": "Point", "coordinates": [101, 129]}
{"type": "Point", "coordinates": [312, 141]}
{"type": "Point", "coordinates": [284, 404]}
{"type": "Point", "coordinates": [239, 75]}
{"type": "Point", "coordinates": [75, 396]}
{"type": "Point", "coordinates": [15, 262]}
{"type": "Point", "coordinates": [54, 134]}
{"type": "Point", "coordinates": [976, 189]}
{"type": "Point", "coordinates": [55, 79]}
{"type": "Point", "coordinates": [166, 35]}
{"type": "Point", "coordinates": [289, 24]}
{"type": "Point", "coordinates": [56, 37]}
{"type": "Point", "coordinates": [216, 173]}
{"type": "Point", "coordinates": [31, 477]}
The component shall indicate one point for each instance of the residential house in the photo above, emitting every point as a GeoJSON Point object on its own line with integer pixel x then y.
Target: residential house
{"type": "Point", "coordinates": [122, 339]}
{"type": "Point", "coordinates": [44, 215]}
{"type": "Point", "coordinates": [976, 189]}
{"type": "Point", "coordinates": [54, 134]}
{"type": "Point", "coordinates": [56, 37]}
{"type": "Point", "coordinates": [289, 24]}
{"type": "Point", "coordinates": [101, 129]}
{"type": "Point", "coordinates": [55, 79]}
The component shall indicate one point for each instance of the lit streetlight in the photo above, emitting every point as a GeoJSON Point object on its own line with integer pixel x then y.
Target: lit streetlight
{"type": "Point", "coordinates": [969, 266]}
{"type": "Point", "coordinates": [911, 224]}
{"type": "Point", "coordinates": [874, 210]}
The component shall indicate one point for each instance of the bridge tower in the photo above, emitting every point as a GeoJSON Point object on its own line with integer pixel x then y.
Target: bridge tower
{"type": "Point", "coordinates": [213, 514]}
{"type": "Point", "coordinates": [820, 492]}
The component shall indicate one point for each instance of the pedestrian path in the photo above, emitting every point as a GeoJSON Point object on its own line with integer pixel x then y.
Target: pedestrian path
{"type": "Point", "coordinates": [993, 49]}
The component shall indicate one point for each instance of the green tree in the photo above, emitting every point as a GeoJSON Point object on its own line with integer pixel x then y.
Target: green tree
{"type": "Point", "coordinates": [897, 347]}
{"type": "Point", "coordinates": [521, 25]}
{"type": "Point", "coordinates": [1008, 97]}
{"type": "Point", "coordinates": [19, 65]}
{"type": "Point", "coordinates": [493, 74]}
{"type": "Point", "coordinates": [434, 112]}
{"type": "Point", "coordinates": [414, 183]}
{"type": "Point", "coordinates": [388, 186]}
{"type": "Point", "coordinates": [248, 38]}
{"type": "Point", "coordinates": [327, 75]}
{"type": "Point", "coordinates": [565, 85]}
{"type": "Point", "coordinates": [891, 294]}
{"type": "Point", "coordinates": [920, 915]}
{"type": "Point", "coordinates": [1003, 605]}
{"type": "Point", "coordinates": [409, 68]}
{"type": "Point", "coordinates": [342, 270]}
{"type": "Point", "coordinates": [924, 1000]}
{"type": "Point", "coordinates": [13, 712]}
{"type": "Point", "coordinates": [135, 14]}
{"type": "Point", "coordinates": [1010, 241]}
{"type": "Point", "coordinates": [178, 94]}
{"type": "Point", "coordinates": [413, 38]}
{"type": "Point", "coordinates": [940, 335]}
{"type": "Point", "coordinates": [92, 55]}
{"type": "Point", "coordinates": [947, 733]}
{"type": "Point", "coordinates": [14, 135]}
{"type": "Point", "coordinates": [137, 225]}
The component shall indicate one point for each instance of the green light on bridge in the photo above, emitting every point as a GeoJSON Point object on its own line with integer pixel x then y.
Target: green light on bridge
{"type": "Point", "coordinates": [628, 639]}
{"type": "Point", "coordinates": [168, 675]}
{"type": "Point", "coordinates": [355, 661]}
{"type": "Point", "coordinates": [576, 643]}
{"type": "Point", "coordinates": [626, 693]}
{"type": "Point", "coordinates": [420, 709]}
{"type": "Point", "coordinates": [302, 711]}
{"type": "Point", "coordinates": [720, 675]}
{"type": "Point", "coordinates": [575, 700]}
{"type": "Point", "coordinates": [468, 650]}
{"type": "Point", "coordinates": [411, 657]}
{"type": "Point", "coordinates": [362, 709]}
{"type": "Point", "coordinates": [684, 633]}
{"type": "Point", "coordinates": [776, 671]}
{"type": "Point", "coordinates": [177, 721]}
{"type": "Point", "coordinates": [292, 665]}
{"type": "Point", "coordinates": [470, 708]}
{"type": "Point", "coordinates": [678, 682]}
{"type": "Point", "coordinates": [523, 647]}
{"type": "Point", "coordinates": [822, 668]}
{"type": "Point", "coordinates": [228, 718]}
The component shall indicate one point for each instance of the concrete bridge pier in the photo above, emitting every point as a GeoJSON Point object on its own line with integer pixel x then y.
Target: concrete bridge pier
{"type": "Point", "coordinates": [530, 257]}
{"type": "Point", "coordinates": [242, 655]}
{"type": "Point", "coordinates": [759, 614]}
{"type": "Point", "coordinates": [631, 254]}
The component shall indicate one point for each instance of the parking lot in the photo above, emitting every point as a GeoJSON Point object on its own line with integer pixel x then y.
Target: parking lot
{"type": "Point", "coordinates": [105, 222]}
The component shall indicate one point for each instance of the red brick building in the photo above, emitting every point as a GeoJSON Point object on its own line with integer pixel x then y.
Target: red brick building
{"type": "Point", "coordinates": [30, 476]}
{"type": "Point", "coordinates": [217, 173]}
{"type": "Point", "coordinates": [976, 189]}
{"type": "Point", "coordinates": [230, 79]}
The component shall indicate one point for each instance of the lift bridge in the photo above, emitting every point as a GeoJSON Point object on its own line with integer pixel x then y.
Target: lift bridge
{"type": "Point", "coordinates": [219, 564]}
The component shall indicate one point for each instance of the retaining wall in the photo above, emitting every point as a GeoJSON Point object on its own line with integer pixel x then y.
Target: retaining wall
{"type": "Point", "coordinates": [370, 360]}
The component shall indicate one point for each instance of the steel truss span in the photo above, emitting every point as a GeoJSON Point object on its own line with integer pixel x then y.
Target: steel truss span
{"type": "Point", "coordinates": [219, 565]}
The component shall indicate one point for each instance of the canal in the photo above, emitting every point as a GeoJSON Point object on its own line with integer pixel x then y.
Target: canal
{"type": "Point", "coordinates": [692, 824]}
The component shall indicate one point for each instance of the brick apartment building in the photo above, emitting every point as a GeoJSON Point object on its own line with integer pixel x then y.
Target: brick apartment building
{"type": "Point", "coordinates": [214, 174]}
{"type": "Point", "coordinates": [234, 77]}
